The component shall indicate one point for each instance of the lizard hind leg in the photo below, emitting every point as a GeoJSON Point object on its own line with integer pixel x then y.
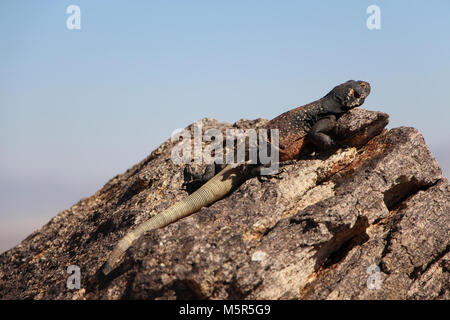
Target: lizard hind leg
{"type": "Point", "coordinates": [194, 180]}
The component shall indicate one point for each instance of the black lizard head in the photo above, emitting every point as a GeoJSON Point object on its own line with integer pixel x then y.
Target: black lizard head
{"type": "Point", "coordinates": [351, 94]}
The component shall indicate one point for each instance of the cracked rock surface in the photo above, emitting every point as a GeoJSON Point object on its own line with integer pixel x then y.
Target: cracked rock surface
{"type": "Point", "coordinates": [369, 221]}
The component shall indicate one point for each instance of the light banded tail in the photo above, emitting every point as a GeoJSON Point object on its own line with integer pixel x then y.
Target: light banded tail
{"type": "Point", "coordinates": [216, 188]}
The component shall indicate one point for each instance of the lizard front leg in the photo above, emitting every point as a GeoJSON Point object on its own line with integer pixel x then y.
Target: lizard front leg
{"type": "Point", "coordinates": [318, 134]}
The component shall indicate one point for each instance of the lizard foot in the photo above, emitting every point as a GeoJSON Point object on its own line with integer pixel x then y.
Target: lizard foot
{"type": "Point", "coordinates": [266, 177]}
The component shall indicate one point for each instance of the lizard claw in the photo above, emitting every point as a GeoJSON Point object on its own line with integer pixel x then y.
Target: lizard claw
{"type": "Point", "coordinates": [267, 177]}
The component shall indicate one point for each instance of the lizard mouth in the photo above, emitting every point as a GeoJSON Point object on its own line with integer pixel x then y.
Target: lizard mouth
{"type": "Point", "coordinates": [353, 99]}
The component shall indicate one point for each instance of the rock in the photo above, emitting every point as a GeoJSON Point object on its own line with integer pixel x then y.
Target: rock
{"type": "Point", "coordinates": [370, 221]}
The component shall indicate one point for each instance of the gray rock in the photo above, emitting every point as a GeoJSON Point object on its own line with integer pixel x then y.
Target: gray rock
{"type": "Point", "coordinates": [370, 221]}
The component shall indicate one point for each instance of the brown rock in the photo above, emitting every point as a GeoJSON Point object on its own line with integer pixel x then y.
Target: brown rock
{"type": "Point", "coordinates": [322, 231]}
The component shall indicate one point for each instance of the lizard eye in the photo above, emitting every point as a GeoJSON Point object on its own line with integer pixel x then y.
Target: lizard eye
{"type": "Point", "coordinates": [363, 84]}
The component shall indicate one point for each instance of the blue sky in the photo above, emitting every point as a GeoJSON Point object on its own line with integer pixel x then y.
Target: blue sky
{"type": "Point", "coordinates": [79, 106]}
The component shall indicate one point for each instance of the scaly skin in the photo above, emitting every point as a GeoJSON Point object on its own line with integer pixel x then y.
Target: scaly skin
{"type": "Point", "coordinates": [216, 188]}
{"type": "Point", "coordinates": [310, 122]}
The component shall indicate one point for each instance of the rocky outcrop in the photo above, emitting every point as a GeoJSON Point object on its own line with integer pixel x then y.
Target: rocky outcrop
{"type": "Point", "coordinates": [370, 221]}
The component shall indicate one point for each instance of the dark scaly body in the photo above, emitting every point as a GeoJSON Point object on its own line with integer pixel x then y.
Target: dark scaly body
{"type": "Point", "coordinates": [294, 126]}
{"type": "Point", "coordinates": [299, 125]}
